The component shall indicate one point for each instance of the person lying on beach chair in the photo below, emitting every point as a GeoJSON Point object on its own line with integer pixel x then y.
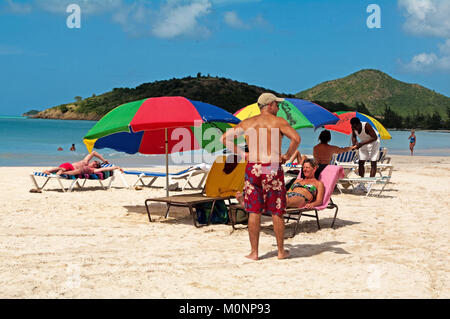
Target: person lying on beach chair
{"type": "Point", "coordinates": [81, 167]}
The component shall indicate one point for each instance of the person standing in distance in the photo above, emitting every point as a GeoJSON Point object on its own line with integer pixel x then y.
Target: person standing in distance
{"type": "Point", "coordinates": [368, 145]}
{"type": "Point", "coordinates": [412, 141]}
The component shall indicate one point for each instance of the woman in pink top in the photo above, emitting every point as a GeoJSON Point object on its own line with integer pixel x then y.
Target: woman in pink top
{"type": "Point", "coordinates": [323, 152]}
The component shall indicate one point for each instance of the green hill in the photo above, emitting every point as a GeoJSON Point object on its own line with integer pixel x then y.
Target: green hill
{"type": "Point", "coordinates": [377, 90]}
{"type": "Point", "coordinates": [228, 94]}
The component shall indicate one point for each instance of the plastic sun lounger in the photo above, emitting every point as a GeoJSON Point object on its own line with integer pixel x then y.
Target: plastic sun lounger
{"type": "Point", "coordinates": [344, 158]}
{"type": "Point", "coordinates": [369, 183]}
{"type": "Point", "coordinates": [187, 174]}
{"type": "Point", "coordinates": [384, 168]}
{"type": "Point", "coordinates": [329, 177]}
{"type": "Point", "coordinates": [76, 179]}
{"type": "Point", "coordinates": [216, 181]}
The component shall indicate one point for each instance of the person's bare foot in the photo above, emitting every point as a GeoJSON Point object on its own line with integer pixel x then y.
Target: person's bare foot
{"type": "Point", "coordinates": [283, 255]}
{"type": "Point", "coordinates": [252, 256]}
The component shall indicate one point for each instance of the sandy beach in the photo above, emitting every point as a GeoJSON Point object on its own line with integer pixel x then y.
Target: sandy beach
{"type": "Point", "coordinates": [99, 244]}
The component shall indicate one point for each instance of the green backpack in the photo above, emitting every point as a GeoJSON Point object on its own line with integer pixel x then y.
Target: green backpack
{"type": "Point", "coordinates": [220, 214]}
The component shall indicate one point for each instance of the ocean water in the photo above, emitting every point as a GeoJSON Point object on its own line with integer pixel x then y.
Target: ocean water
{"type": "Point", "coordinates": [34, 142]}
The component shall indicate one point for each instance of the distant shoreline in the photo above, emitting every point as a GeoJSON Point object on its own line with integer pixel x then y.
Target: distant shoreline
{"type": "Point", "coordinates": [33, 118]}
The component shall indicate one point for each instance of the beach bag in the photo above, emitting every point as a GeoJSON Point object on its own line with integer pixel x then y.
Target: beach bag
{"type": "Point", "coordinates": [220, 214]}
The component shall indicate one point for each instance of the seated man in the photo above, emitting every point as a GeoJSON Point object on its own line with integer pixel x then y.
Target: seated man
{"type": "Point", "coordinates": [323, 152]}
{"type": "Point", "coordinates": [82, 167]}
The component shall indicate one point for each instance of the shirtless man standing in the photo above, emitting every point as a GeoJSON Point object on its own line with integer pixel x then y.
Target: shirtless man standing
{"type": "Point", "coordinates": [264, 188]}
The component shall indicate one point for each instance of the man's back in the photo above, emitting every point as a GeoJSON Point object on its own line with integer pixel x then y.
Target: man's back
{"type": "Point", "coordinates": [264, 136]}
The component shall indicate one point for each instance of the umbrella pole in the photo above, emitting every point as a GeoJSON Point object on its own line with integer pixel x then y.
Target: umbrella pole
{"type": "Point", "coordinates": [167, 165]}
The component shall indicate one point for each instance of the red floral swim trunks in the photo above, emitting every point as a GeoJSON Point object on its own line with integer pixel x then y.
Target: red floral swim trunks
{"type": "Point", "coordinates": [264, 189]}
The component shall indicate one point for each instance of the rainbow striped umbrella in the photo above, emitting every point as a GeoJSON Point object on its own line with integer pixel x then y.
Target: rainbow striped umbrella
{"type": "Point", "coordinates": [299, 113]}
{"type": "Point", "coordinates": [150, 126]}
{"type": "Point", "coordinates": [344, 126]}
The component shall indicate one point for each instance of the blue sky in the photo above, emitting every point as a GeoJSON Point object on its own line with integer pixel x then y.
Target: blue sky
{"type": "Point", "coordinates": [287, 46]}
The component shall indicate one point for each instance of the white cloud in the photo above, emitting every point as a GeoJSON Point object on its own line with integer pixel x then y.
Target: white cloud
{"type": "Point", "coordinates": [17, 8]}
{"type": "Point", "coordinates": [135, 19]}
{"type": "Point", "coordinates": [181, 18]}
{"type": "Point", "coordinates": [428, 63]}
{"type": "Point", "coordinates": [427, 17]}
{"type": "Point", "coordinates": [174, 18]}
{"type": "Point", "coordinates": [232, 19]}
{"type": "Point", "coordinates": [162, 19]}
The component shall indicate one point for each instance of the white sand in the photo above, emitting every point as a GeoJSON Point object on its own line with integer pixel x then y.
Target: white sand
{"type": "Point", "coordinates": [100, 244]}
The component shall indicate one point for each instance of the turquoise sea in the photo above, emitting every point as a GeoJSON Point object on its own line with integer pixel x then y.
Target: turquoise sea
{"type": "Point", "coordinates": [34, 142]}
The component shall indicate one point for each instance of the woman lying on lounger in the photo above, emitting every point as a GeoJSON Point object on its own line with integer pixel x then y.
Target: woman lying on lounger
{"type": "Point", "coordinates": [83, 167]}
{"type": "Point", "coordinates": [305, 192]}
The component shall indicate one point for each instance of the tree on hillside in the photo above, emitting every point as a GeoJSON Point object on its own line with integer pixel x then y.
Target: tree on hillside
{"type": "Point", "coordinates": [334, 107]}
{"type": "Point", "coordinates": [78, 98]}
{"type": "Point", "coordinates": [391, 119]}
{"type": "Point", "coordinates": [447, 123]}
{"type": "Point", "coordinates": [361, 108]}
{"type": "Point", "coordinates": [434, 122]}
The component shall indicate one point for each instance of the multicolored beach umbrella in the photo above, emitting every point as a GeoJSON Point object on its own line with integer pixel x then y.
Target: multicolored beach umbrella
{"type": "Point", "coordinates": [158, 125]}
{"type": "Point", "coordinates": [299, 113]}
{"type": "Point", "coordinates": [139, 127]}
{"type": "Point", "coordinates": [344, 126]}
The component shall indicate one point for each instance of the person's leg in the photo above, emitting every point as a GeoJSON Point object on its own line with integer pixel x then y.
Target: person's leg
{"type": "Point", "coordinates": [254, 227]}
{"type": "Point", "coordinates": [373, 169]}
{"type": "Point", "coordinates": [361, 168]}
{"type": "Point", "coordinates": [73, 172]}
{"type": "Point", "coordinates": [275, 204]}
{"type": "Point", "coordinates": [52, 170]}
{"type": "Point", "coordinates": [295, 201]}
{"type": "Point", "coordinates": [254, 205]}
{"type": "Point", "coordinates": [295, 156]}
{"type": "Point", "coordinates": [278, 228]}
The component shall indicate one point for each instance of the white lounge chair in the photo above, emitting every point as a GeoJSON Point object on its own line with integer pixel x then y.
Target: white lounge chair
{"type": "Point", "coordinates": [187, 175]}
{"type": "Point", "coordinates": [368, 182]}
{"type": "Point", "coordinates": [384, 168]}
{"type": "Point", "coordinates": [76, 179]}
